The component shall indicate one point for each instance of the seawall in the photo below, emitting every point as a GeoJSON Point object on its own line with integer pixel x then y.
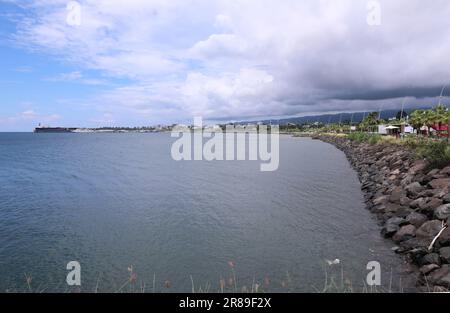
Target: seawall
{"type": "Point", "coordinates": [411, 202]}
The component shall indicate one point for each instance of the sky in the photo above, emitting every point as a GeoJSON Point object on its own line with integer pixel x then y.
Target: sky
{"type": "Point", "coordinates": [96, 63]}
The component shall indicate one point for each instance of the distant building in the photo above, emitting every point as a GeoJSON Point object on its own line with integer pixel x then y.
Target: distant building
{"type": "Point", "coordinates": [394, 129]}
{"type": "Point", "coordinates": [442, 130]}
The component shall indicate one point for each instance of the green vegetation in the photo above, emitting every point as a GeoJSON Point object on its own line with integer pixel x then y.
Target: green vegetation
{"type": "Point", "coordinates": [437, 153]}
{"type": "Point", "coordinates": [365, 137]}
{"type": "Point", "coordinates": [434, 146]}
{"type": "Point", "coordinates": [439, 115]}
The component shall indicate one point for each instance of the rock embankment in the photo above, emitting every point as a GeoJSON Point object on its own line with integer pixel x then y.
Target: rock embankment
{"type": "Point", "coordinates": [411, 202]}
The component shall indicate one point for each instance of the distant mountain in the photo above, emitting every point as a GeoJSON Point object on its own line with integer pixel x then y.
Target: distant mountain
{"type": "Point", "coordinates": [334, 118]}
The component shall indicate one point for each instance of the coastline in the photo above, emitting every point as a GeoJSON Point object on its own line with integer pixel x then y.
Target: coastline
{"type": "Point", "coordinates": [410, 201]}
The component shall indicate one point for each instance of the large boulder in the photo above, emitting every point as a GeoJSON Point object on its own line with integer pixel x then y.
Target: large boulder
{"type": "Point", "coordinates": [431, 258]}
{"type": "Point", "coordinates": [377, 209]}
{"type": "Point", "coordinates": [408, 179]}
{"type": "Point", "coordinates": [404, 233]}
{"type": "Point", "coordinates": [403, 212]}
{"type": "Point", "coordinates": [431, 204]}
{"type": "Point", "coordinates": [429, 229]}
{"type": "Point", "coordinates": [445, 254]}
{"type": "Point", "coordinates": [440, 276]}
{"type": "Point", "coordinates": [440, 183]}
{"type": "Point", "coordinates": [442, 212]}
{"type": "Point", "coordinates": [445, 171]}
{"type": "Point", "coordinates": [392, 226]}
{"type": "Point", "coordinates": [433, 172]}
{"type": "Point", "coordinates": [418, 203]}
{"type": "Point", "coordinates": [405, 201]}
{"type": "Point", "coordinates": [397, 194]}
{"type": "Point", "coordinates": [416, 219]}
{"type": "Point", "coordinates": [414, 189]}
{"type": "Point", "coordinates": [392, 207]}
{"type": "Point", "coordinates": [426, 269]}
{"type": "Point", "coordinates": [381, 200]}
{"type": "Point", "coordinates": [417, 167]}
{"type": "Point", "coordinates": [444, 238]}
{"type": "Point", "coordinates": [446, 198]}
{"type": "Point", "coordinates": [395, 172]}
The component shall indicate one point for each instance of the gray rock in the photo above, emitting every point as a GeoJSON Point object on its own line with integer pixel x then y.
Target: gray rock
{"type": "Point", "coordinates": [440, 276]}
{"type": "Point", "coordinates": [405, 201]}
{"type": "Point", "coordinates": [429, 229]}
{"type": "Point", "coordinates": [416, 219]}
{"type": "Point", "coordinates": [392, 207]}
{"type": "Point", "coordinates": [445, 254]}
{"type": "Point", "coordinates": [426, 269]}
{"type": "Point", "coordinates": [446, 198]}
{"type": "Point", "coordinates": [442, 212]}
{"type": "Point", "coordinates": [416, 254]}
{"type": "Point", "coordinates": [395, 172]}
{"type": "Point", "coordinates": [445, 171]}
{"type": "Point", "coordinates": [428, 193]}
{"type": "Point", "coordinates": [417, 167]}
{"type": "Point", "coordinates": [403, 212]}
{"type": "Point", "coordinates": [392, 226]}
{"type": "Point", "coordinates": [404, 233]}
{"type": "Point", "coordinates": [407, 180]}
{"type": "Point", "coordinates": [414, 189]}
{"type": "Point", "coordinates": [440, 183]}
{"type": "Point", "coordinates": [396, 194]}
{"type": "Point", "coordinates": [431, 258]}
{"type": "Point", "coordinates": [381, 200]}
{"type": "Point", "coordinates": [431, 204]}
{"type": "Point", "coordinates": [378, 209]}
{"type": "Point", "coordinates": [433, 172]}
{"type": "Point", "coordinates": [418, 203]}
{"type": "Point", "coordinates": [444, 238]}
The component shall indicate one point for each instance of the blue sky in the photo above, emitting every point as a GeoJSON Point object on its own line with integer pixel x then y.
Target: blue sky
{"type": "Point", "coordinates": [144, 62]}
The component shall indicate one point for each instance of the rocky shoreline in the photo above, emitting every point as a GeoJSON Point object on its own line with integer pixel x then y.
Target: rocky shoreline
{"type": "Point", "coordinates": [412, 203]}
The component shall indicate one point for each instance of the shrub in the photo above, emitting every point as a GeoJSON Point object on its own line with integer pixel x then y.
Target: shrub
{"type": "Point", "coordinates": [365, 137]}
{"type": "Point", "coordinates": [415, 142]}
{"type": "Point", "coordinates": [374, 139]}
{"type": "Point", "coordinates": [437, 153]}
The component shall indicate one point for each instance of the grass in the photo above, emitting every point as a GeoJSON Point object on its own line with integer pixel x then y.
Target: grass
{"type": "Point", "coordinates": [437, 153]}
{"type": "Point", "coordinates": [335, 281]}
{"type": "Point", "coordinates": [365, 137]}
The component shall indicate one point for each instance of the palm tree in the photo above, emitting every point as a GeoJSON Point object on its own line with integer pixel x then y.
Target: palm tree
{"type": "Point", "coordinates": [430, 118]}
{"type": "Point", "coordinates": [371, 120]}
{"type": "Point", "coordinates": [417, 119]}
{"type": "Point", "coordinates": [440, 115]}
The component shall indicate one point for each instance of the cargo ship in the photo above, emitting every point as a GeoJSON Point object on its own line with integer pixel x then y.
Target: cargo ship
{"type": "Point", "coordinates": [46, 129]}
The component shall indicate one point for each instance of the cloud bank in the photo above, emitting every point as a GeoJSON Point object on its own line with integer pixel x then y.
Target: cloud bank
{"type": "Point", "coordinates": [248, 59]}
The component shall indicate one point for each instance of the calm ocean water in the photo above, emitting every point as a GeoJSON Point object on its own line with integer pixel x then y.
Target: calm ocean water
{"type": "Point", "coordinates": [114, 200]}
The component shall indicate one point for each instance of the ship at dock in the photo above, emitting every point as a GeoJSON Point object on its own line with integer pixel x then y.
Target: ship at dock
{"type": "Point", "coordinates": [47, 129]}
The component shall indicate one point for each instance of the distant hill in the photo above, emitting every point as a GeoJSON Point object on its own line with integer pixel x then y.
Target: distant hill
{"type": "Point", "coordinates": [334, 118]}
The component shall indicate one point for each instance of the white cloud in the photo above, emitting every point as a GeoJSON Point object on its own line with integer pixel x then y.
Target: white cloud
{"type": "Point", "coordinates": [77, 77]}
{"type": "Point", "coordinates": [31, 115]}
{"type": "Point", "coordinates": [26, 117]}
